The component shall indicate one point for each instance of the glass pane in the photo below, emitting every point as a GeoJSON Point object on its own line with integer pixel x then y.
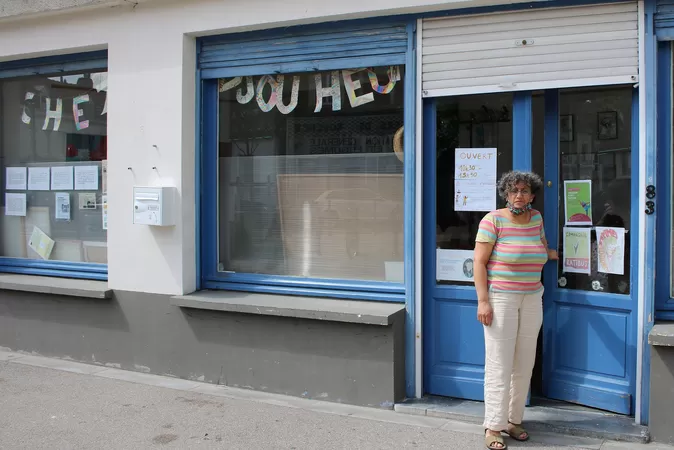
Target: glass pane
{"type": "Point", "coordinates": [53, 144]}
{"type": "Point", "coordinates": [596, 145]}
{"type": "Point", "coordinates": [476, 121]}
{"type": "Point", "coordinates": [311, 175]}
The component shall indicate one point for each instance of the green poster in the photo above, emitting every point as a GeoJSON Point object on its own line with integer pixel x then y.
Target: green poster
{"type": "Point", "coordinates": [577, 202]}
{"type": "Point", "coordinates": [576, 256]}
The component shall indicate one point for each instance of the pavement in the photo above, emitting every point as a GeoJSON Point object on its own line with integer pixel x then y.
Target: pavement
{"type": "Point", "coordinates": [55, 404]}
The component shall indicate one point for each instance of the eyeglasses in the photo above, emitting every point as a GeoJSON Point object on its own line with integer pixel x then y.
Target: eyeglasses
{"type": "Point", "coordinates": [524, 192]}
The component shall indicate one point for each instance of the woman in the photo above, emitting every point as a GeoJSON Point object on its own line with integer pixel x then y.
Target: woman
{"type": "Point", "coordinates": [510, 252]}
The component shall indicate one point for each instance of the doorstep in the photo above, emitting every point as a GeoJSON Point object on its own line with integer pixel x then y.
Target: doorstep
{"type": "Point", "coordinates": [545, 415]}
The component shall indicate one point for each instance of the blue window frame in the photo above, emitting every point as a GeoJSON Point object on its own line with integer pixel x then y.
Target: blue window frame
{"type": "Point", "coordinates": [51, 68]}
{"type": "Point", "coordinates": [298, 51]}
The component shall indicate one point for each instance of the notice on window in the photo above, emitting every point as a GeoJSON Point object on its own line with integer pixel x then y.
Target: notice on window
{"type": "Point", "coordinates": [38, 178]}
{"type": "Point", "coordinates": [15, 179]}
{"type": "Point", "coordinates": [104, 201]}
{"type": "Point", "coordinates": [62, 178]}
{"type": "Point", "coordinates": [454, 265]}
{"type": "Point", "coordinates": [611, 250]}
{"type": "Point", "coordinates": [475, 179]}
{"type": "Point", "coordinates": [62, 209]}
{"type": "Point", "coordinates": [40, 243]}
{"type": "Point", "coordinates": [15, 204]}
{"type": "Point", "coordinates": [104, 176]}
{"type": "Point", "coordinates": [576, 250]}
{"type": "Point", "coordinates": [577, 202]}
{"type": "Point", "coordinates": [86, 178]}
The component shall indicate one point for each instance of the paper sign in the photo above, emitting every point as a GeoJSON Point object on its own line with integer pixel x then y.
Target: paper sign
{"type": "Point", "coordinates": [62, 178]}
{"type": "Point", "coordinates": [62, 209]}
{"type": "Point", "coordinates": [15, 179]}
{"type": "Point", "coordinates": [475, 179]}
{"type": "Point", "coordinates": [87, 200]}
{"type": "Point", "coordinates": [38, 178]}
{"type": "Point", "coordinates": [15, 204]}
{"type": "Point", "coordinates": [104, 201]}
{"type": "Point", "coordinates": [454, 265]}
{"type": "Point", "coordinates": [576, 250]}
{"type": "Point", "coordinates": [41, 243]}
{"type": "Point", "coordinates": [86, 178]}
{"type": "Point", "coordinates": [104, 175]}
{"type": "Point", "coordinates": [611, 250]}
{"type": "Point", "coordinates": [577, 206]}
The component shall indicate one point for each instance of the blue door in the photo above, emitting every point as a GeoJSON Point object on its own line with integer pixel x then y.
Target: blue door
{"type": "Point", "coordinates": [587, 346]}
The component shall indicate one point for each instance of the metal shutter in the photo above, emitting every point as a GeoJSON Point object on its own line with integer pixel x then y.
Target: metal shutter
{"type": "Point", "coordinates": [664, 20]}
{"type": "Point", "coordinates": [532, 49]}
{"type": "Point", "coordinates": [301, 49]}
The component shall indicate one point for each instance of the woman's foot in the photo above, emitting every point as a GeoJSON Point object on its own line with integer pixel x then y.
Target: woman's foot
{"type": "Point", "coordinates": [493, 440]}
{"type": "Point", "coordinates": [516, 432]}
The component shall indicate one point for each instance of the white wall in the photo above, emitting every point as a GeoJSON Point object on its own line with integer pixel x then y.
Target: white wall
{"type": "Point", "coordinates": [152, 102]}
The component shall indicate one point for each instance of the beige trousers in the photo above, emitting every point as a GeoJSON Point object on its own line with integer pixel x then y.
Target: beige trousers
{"type": "Point", "coordinates": [510, 354]}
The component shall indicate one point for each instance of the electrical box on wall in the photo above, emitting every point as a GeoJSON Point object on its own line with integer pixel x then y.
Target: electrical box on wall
{"type": "Point", "coordinates": [154, 206]}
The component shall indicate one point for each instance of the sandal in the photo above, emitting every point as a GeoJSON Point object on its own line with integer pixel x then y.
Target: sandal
{"type": "Point", "coordinates": [516, 431]}
{"type": "Point", "coordinates": [491, 441]}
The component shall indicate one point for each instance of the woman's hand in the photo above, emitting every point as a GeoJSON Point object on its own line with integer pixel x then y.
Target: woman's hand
{"type": "Point", "coordinates": [485, 312]}
{"type": "Point", "coordinates": [552, 255]}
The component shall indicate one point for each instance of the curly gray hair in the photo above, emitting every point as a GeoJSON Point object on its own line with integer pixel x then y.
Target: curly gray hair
{"type": "Point", "coordinates": [511, 179]}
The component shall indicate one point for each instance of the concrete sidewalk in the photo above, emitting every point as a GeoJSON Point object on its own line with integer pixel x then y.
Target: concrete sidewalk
{"type": "Point", "coordinates": [49, 403]}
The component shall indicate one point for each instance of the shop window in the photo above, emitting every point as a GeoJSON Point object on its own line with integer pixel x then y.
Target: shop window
{"type": "Point", "coordinates": [595, 155]}
{"type": "Point", "coordinates": [467, 122]}
{"type": "Point", "coordinates": [310, 175]}
{"type": "Point", "coordinates": [53, 149]}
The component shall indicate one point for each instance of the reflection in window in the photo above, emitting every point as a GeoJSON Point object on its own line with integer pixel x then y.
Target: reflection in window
{"type": "Point", "coordinates": [310, 174]}
{"type": "Point", "coordinates": [596, 144]}
{"type": "Point", "coordinates": [479, 121]}
{"type": "Point", "coordinates": [53, 143]}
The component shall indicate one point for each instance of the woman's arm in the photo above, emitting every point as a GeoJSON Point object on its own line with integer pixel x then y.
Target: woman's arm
{"type": "Point", "coordinates": [480, 260]}
{"type": "Point", "coordinates": [552, 254]}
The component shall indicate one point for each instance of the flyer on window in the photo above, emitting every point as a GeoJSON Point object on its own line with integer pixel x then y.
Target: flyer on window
{"type": "Point", "coordinates": [576, 250]}
{"type": "Point", "coordinates": [578, 202]}
{"type": "Point", "coordinates": [454, 265]}
{"type": "Point", "coordinates": [40, 243]}
{"type": "Point", "coordinates": [475, 179]}
{"type": "Point", "coordinates": [611, 250]}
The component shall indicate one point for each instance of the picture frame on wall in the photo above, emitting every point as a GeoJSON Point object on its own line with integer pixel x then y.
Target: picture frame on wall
{"type": "Point", "coordinates": [607, 125]}
{"type": "Point", "coordinates": [566, 128]}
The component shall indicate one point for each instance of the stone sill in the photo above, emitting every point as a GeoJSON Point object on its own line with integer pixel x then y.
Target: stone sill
{"type": "Point", "coordinates": [57, 286]}
{"type": "Point", "coordinates": [326, 309]}
{"type": "Point", "coordinates": [662, 335]}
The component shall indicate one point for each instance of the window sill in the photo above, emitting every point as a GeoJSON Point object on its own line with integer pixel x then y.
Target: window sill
{"type": "Point", "coordinates": [662, 335]}
{"type": "Point", "coordinates": [57, 286]}
{"type": "Point", "coordinates": [326, 309]}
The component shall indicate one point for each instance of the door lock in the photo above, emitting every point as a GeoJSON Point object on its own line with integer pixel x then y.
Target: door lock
{"type": "Point", "coordinates": [549, 184]}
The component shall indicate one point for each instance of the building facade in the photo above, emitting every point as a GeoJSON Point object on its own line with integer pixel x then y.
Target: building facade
{"type": "Point", "coordinates": [288, 203]}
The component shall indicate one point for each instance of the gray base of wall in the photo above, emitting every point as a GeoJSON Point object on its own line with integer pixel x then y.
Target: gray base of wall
{"type": "Point", "coordinates": [661, 339]}
{"type": "Point", "coordinates": [351, 363]}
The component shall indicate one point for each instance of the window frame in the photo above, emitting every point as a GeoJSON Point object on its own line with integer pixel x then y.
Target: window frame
{"type": "Point", "coordinates": [207, 192]}
{"type": "Point", "coordinates": [53, 65]}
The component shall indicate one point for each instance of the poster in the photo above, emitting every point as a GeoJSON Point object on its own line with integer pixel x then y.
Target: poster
{"type": "Point", "coordinates": [104, 201]}
{"type": "Point", "coordinates": [454, 265]}
{"type": "Point", "coordinates": [611, 250]}
{"type": "Point", "coordinates": [41, 243]}
{"type": "Point", "coordinates": [62, 209]}
{"type": "Point", "coordinates": [62, 178]}
{"type": "Point", "coordinates": [86, 178]}
{"type": "Point", "coordinates": [87, 200]}
{"type": "Point", "coordinates": [576, 250]}
{"type": "Point", "coordinates": [475, 179]}
{"type": "Point", "coordinates": [577, 202]}
{"type": "Point", "coordinates": [15, 179]}
{"type": "Point", "coordinates": [15, 204]}
{"type": "Point", "coordinates": [38, 178]}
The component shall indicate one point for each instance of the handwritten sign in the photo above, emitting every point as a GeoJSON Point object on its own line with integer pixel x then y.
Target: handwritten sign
{"type": "Point", "coordinates": [475, 179]}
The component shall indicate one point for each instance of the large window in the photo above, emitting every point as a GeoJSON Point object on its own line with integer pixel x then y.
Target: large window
{"type": "Point", "coordinates": [310, 174]}
{"type": "Point", "coordinates": [53, 167]}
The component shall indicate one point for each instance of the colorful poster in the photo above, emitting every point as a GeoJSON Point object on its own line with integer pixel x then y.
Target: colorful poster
{"type": "Point", "coordinates": [611, 250]}
{"type": "Point", "coordinates": [576, 250]}
{"type": "Point", "coordinates": [475, 179]}
{"type": "Point", "coordinates": [454, 265]}
{"type": "Point", "coordinates": [577, 202]}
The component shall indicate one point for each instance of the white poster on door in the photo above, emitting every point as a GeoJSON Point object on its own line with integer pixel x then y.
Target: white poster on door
{"type": "Point", "coordinates": [610, 250]}
{"type": "Point", "coordinates": [475, 179]}
{"type": "Point", "coordinates": [454, 265]}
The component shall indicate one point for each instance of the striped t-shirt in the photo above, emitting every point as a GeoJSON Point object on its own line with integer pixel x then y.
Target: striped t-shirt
{"type": "Point", "coordinates": [519, 255]}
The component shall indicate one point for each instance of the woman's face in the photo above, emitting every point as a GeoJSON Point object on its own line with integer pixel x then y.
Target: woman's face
{"type": "Point", "coordinates": [520, 195]}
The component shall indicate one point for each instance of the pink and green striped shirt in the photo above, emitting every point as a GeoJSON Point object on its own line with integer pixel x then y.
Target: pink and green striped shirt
{"type": "Point", "coordinates": [518, 256]}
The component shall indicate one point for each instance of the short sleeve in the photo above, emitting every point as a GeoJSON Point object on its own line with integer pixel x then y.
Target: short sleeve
{"type": "Point", "coordinates": [487, 231]}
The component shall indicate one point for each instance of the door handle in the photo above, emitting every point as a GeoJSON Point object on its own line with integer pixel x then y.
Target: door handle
{"type": "Point", "coordinates": [549, 184]}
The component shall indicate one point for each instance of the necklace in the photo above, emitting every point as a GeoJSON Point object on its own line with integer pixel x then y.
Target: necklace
{"type": "Point", "coordinates": [519, 211]}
